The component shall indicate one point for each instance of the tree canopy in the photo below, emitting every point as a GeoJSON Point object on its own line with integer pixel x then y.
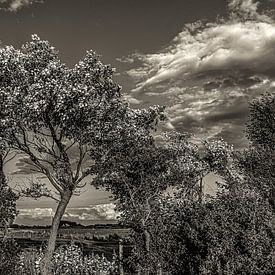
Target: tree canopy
{"type": "Point", "coordinates": [47, 109]}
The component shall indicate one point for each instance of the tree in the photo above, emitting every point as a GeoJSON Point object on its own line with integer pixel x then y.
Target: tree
{"type": "Point", "coordinates": [257, 162]}
{"type": "Point", "coordinates": [195, 160]}
{"type": "Point", "coordinates": [8, 248]}
{"type": "Point", "coordinates": [48, 110]}
{"type": "Point", "coordinates": [139, 176]}
{"type": "Point", "coordinates": [239, 234]}
{"type": "Point", "coordinates": [7, 196]}
{"type": "Point", "coordinates": [136, 175]}
{"type": "Point", "coordinates": [229, 234]}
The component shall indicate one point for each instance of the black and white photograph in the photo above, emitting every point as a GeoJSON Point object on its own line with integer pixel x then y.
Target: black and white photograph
{"type": "Point", "coordinates": [137, 137]}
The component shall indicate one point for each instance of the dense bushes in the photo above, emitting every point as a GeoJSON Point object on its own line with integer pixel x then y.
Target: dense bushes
{"type": "Point", "coordinates": [67, 260]}
{"type": "Point", "coordinates": [230, 234]}
{"type": "Point", "coordinates": [8, 256]}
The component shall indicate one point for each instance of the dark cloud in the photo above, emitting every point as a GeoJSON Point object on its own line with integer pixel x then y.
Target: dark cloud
{"type": "Point", "coordinates": [227, 79]}
{"type": "Point", "coordinates": [235, 114]}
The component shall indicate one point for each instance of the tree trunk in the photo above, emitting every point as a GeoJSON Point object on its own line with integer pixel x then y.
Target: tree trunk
{"type": "Point", "coordinates": [147, 240]}
{"type": "Point", "coordinates": [120, 253]}
{"type": "Point", "coordinates": [200, 190]}
{"type": "Point", "coordinates": [147, 237]}
{"type": "Point", "coordinates": [2, 175]}
{"type": "Point", "coordinates": [46, 263]}
{"type": "Point", "coordinates": [2, 183]}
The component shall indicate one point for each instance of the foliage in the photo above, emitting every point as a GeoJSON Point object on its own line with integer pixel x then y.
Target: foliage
{"type": "Point", "coordinates": [64, 120]}
{"type": "Point", "coordinates": [7, 204]}
{"type": "Point", "coordinates": [257, 161]}
{"type": "Point", "coordinates": [241, 234]}
{"type": "Point", "coordinates": [7, 196]}
{"type": "Point", "coordinates": [8, 247]}
{"type": "Point", "coordinates": [261, 127]}
{"type": "Point", "coordinates": [139, 176]}
{"type": "Point", "coordinates": [230, 234]}
{"type": "Point", "coordinates": [46, 107]}
{"type": "Point", "coordinates": [67, 259]}
{"type": "Point", "coordinates": [194, 160]}
{"type": "Point", "coordinates": [8, 256]}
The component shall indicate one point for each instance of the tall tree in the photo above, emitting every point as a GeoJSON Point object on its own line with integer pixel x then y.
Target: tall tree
{"type": "Point", "coordinates": [196, 159]}
{"type": "Point", "coordinates": [139, 176]}
{"type": "Point", "coordinates": [136, 175]}
{"type": "Point", "coordinates": [48, 110]}
{"type": "Point", "coordinates": [258, 160]}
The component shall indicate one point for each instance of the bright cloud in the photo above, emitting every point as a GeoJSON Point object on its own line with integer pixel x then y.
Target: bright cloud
{"type": "Point", "coordinates": [235, 45]}
{"type": "Point", "coordinates": [92, 213]}
{"type": "Point", "coordinates": [15, 5]}
{"type": "Point", "coordinates": [36, 213]}
{"type": "Point", "coordinates": [210, 71]}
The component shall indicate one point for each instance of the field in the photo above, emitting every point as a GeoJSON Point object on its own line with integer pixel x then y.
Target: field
{"type": "Point", "coordinates": [98, 239]}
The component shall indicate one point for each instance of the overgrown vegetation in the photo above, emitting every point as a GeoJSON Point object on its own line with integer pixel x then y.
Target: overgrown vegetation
{"type": "Point", "coordinates": [67, 259]}
{"type": "Point", "coordinates": [72, 124]}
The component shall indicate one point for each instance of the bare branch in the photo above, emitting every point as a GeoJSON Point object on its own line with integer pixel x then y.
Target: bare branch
{"type": "Point", "coordinates": [82, 185]}
{"type": "Point", "coordinates": [43, 169]}
{"type": "Point", "coordinates": [6, 160]}
{"type": "Point", "coordinates": [37, 191]}
{"type": "Point", "coordinates": [71, 145]}
{"type": "Point", "coordinates": [81, 158]}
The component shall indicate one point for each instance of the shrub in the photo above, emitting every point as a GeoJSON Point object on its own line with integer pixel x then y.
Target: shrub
{"type": "Point", "coordinates": [8, 256]}
{"type": "Point", "coordinates": [230, 234]}
{"type": "Point", "coordinates": [67, 260]}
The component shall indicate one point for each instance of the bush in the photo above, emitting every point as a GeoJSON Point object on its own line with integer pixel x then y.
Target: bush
{"type": "Point", "coordinates": [67, 260]}
{"type": "Point", "coordinates": [8, 256]}
{"type": "Point", "coordinates": [230, 234]}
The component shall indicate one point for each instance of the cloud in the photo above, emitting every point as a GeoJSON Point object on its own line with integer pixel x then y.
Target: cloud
{"type": "Point", "coordinates": [100, 212]}
{"type": "Point", "coordinates": [210, 71]}
{"type": "Point", "coordinates": [15, 5]}
{"type": "Point", "coordinates": [246, 10]}
{"type": "Point", "coordinates": [94, 212]}
{"type": "Point", "coordinates": [243, 46]}
{"type": "Point", "coordinates": [36, 213]}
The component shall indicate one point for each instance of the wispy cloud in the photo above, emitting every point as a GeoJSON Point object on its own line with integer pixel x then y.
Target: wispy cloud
{"type": "Point", "coordinates": [15, 5]}
{"type": "Point", "coordinates": [210, 70]}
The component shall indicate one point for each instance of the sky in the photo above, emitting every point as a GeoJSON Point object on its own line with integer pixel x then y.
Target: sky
{"type": "Point", "coordinates": [204, 60]}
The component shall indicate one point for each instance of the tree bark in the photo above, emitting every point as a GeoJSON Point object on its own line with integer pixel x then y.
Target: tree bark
{"type": "Point", "coordinates": [120, 253]}
{"type": "Point", "coordinates": [147, 237]}
{"type": "Point", "coordinates": [200, 190]}
{"type": "Point", "coordinates": [147, 240]}
{"type": "Point", "coordinates": [46, 263]}
{"type": "Point", "coordinates": [2, 175]}
{"type": "Point", "coordinates": [2, 182]}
